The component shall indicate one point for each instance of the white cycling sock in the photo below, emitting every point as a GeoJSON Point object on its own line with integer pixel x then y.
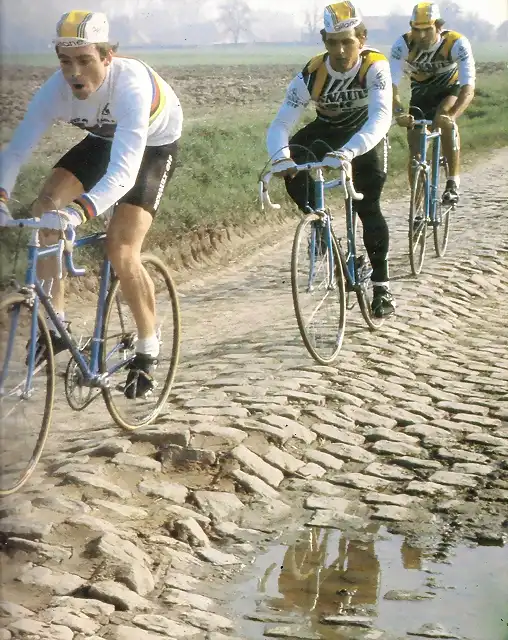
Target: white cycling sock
{"type": "Point", "coordinates": [148, 346]}
{"type": "Point", "coordinates": [51, 324]}
{"type": "Point", "coordinates": [456, 179]}
{"type": "Point", "coordinates": [386, 285]}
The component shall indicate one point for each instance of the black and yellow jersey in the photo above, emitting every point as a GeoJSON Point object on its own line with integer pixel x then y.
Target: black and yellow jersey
{"type": "Point", "coordinates": [447, 63]}
{"type": "Point", "coordinates": [356, 101]}
{"type": "Point", "coordinates": [342, 99]}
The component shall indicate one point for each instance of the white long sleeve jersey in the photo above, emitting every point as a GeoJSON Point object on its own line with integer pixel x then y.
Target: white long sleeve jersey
{"type": "Point", "coordinates": [134, 108]}
{"type": "Point", "coordinates": [447, 63]}
{"type": "Point", "coordinates": [358, 102]}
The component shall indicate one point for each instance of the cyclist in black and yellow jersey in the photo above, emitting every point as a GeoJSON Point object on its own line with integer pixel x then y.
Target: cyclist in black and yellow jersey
{"type": "Point", "coordinates": [350, 87]}
{"type": "Point", "coordinates": [442, 71]}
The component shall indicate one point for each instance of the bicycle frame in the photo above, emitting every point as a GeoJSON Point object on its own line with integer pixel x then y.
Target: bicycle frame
{"type": "Point", "coordinates": [63, 249]}
{"type": "Point", "coordinates": [319, 208]}
{"type": "Point", "coordinates": [351, 220]}
{"type": "Point", "coordinates": [431, 196]}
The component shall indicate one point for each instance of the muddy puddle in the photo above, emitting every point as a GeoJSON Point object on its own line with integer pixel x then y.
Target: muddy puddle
{"type": "Point", "coordinates": [374, 586]}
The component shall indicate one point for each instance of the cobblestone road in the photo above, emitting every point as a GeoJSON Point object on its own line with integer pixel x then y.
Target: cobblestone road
{"type": "Point", "coordinates": [136, 536]}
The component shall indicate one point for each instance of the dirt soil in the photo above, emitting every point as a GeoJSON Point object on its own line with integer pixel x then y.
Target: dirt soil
{"type": "Point", "coordinates": [196, 86]}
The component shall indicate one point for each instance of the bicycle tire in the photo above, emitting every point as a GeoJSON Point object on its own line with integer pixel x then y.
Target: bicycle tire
{"type": "Point", "coordinates": [302, 234]}
{"type": "Point", "coordinates": [441, 224]}
{"type": "Point", "coordinates": [112, 400]}
{"type": "Point", "coordinates": [18, 300]}
{"type": "Point", "coordinates": [365, 302]}
{"type": "Point", "coordinates": [418, 221]}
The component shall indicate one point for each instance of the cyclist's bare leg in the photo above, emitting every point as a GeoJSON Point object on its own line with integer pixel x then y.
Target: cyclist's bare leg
{"type": "Point", "coordinates": [60, 188]}
{"type": "Point", "coordinates": [452, 155]}
{"type": "Point", "coordinates": [126, 232]}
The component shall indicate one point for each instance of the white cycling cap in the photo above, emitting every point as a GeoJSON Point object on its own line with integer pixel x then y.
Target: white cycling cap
{"type": "Point", "coordinates": [341, 16]}
{"type": "Point", "coordinates": [425, 14]}
{"type": "Point", "coordinates": [80, 28]}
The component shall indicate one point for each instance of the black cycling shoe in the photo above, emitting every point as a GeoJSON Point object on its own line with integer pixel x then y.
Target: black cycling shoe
{"type": "Point", "coordinates": [383, 304]}
{"type": "Point", "coordinates": [57, 342]}
{"type": "Point", "coordinates": [451, 193]}
{"type": "Point", "coordinates": [140, 382]}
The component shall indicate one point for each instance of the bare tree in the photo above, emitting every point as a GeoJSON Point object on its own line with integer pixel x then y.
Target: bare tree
{"type": "Point", "coordinates": [451, 11]}
{"type": "Point", "coordinates": [236, 18]}
{"type": "Point", "coordinates": [312, 23]}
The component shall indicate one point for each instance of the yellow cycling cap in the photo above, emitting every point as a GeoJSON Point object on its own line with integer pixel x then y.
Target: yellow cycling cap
{"type": "Point", "coordinates": [425, 14]}
{"type": "Point", "coordinates": [341, 16]}
{"type": "Point", "coordinates": [80, 28]}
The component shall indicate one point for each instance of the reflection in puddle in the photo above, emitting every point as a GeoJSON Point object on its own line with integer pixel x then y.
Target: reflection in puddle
{"type": "Point", "coordinates": [381, 576]}
{"type": "Point", "coordinates": [324, 572]}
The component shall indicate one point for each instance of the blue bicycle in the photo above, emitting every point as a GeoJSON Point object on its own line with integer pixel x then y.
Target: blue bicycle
{"type": "Point", "coordinates": [324, 272]}
{"type": "Point", "coordinates": [98, 363]}
{"type": "Point", "coordinates": [427, 209]}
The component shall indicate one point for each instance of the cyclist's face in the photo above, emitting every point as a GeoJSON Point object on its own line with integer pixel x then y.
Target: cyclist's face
{"type": "Point", "coordinates": [344, 49]}
{"type": "Point", "coordinates": [425, 37]}
{"type": "Point", "coordinates": [83, 69]}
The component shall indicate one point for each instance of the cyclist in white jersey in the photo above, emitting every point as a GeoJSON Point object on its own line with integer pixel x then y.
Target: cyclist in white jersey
{"type": "Point", "coordinates": [350, 86]}
{"type": "Point", "coordinates": [134, 122]}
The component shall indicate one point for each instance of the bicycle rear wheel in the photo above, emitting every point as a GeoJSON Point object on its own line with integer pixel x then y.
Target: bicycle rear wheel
{"type": "Point", "coordinates": [418, 221]}
{"type": "Point", "coordinates": [119, 347]}
{"type": "Point", "coordinates": [319, 297]}
{"type": "Point", "coordinates": [441, 223]}
{"type": "Point", "coordinates": [26, 397]}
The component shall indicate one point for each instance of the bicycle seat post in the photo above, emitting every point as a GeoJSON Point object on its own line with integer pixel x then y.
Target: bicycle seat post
{"type": "Point", "coordinates": [319, 180]}
{"type": "Point", "coordinates": [34, 239]}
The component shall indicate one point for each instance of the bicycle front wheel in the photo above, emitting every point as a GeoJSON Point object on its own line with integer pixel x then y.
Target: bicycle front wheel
{"type": "Point", "coordinates": [441, 222]}
{"type": "Point", "coordinates": [364, 294]}
{"type": "Point", "coordinates": [319, 296]}
{"type": "Point", "coordinates": [119, 347]}
{"type": "Point", "coordinates": [26, 391]}
{"type": "Point", "coordinates": [418, 221]}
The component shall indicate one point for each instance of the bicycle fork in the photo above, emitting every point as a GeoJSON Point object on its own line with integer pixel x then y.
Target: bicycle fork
{"type": "Point", "coordinates": [326, 222]}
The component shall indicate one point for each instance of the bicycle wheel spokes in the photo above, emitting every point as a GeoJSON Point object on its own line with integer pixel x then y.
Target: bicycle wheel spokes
{"type": "Point", "coordinates": [119, 348]}
{"type": "Point", "coordinates": [441, 223]}
{"type": "Point", "coordinates": [26, 397]}
{"type": "Point", "coordinates": [364, 293]}
{"type": "Point", "coordinates": [319, 297]}
{"type": "Point", "coordinates": [418, 221]}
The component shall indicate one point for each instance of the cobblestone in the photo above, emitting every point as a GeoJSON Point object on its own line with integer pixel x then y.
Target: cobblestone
{"type": "Point", "coordinates": [407, 430]}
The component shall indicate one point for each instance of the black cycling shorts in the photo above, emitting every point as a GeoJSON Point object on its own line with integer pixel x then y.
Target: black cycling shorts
{"type": "Point", "coordinates": [429, 102]}
{"type": "Point", "coordinates": [88, 162]}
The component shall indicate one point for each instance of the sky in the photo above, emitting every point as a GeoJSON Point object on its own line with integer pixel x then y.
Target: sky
{"type": "Point", "coordinates": [494, 11]}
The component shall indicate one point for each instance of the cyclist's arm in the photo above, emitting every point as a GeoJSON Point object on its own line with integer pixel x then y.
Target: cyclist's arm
{"type": "Point", "coordinates": [398, 54]}
{"type": "Point", "coordinates": [131, 109]}
{"type": "Point", "coordinates": [462, 54]}
{"type": "Point", "coordinates": [379, 85]}
{"type": "Point", "coordinates": [289, 114]}
{"type": "Point", "coordinates": [43, 109]}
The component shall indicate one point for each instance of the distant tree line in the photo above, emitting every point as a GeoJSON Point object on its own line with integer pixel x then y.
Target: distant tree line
{"type": "Point", "coordinates": [29, 26]}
